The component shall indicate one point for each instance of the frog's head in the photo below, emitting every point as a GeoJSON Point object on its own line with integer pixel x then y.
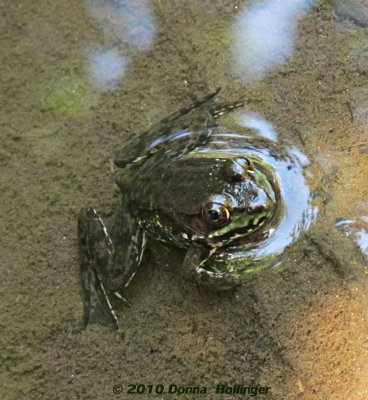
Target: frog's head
{"type": "Point", "coordinates": [235, 198]}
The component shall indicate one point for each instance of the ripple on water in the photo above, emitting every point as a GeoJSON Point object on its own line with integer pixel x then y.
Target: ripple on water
{"type": "Point", "coordinates": [298, 211]}
{"type": "Point", "coordinates": [357, 229]}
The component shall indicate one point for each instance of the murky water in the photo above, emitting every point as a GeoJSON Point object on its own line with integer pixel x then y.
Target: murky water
{"type": "Point", "coordinates": [78, 79]}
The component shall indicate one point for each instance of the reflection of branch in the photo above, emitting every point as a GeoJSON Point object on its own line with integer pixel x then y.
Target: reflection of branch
{"type": "Point", "coordinates": [339, 252]}
{"type": "Point", "coordinates": [299, 136]}
{"type": "Point", "coordinates": [354, 145]}
{"type": "Point", "coordinates": [324, 248]}
{"type": "Point", "coordinates": [348, 105]}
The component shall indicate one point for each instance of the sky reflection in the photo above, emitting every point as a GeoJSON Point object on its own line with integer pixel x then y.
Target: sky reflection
{"type": "Point", "coordinates": [264, 36]}
{"type": "Point", "coordinates": [106, 68]}
{"type": "Point", "coordinates": [130, 26]}
{"type": "Point", "coordinates": [261, 126]}
{"type": "Point", "coordinates": [130, 21]}
{"type": "Point", "coordinates": [362, 240]}
{"type": "Point", "coordinates": [356, 229]}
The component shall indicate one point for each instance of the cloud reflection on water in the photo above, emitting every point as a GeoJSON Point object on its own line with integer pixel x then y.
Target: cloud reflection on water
{"type": "Point", "coordinates": [130, 21]}
{"type": "Point", "coordinates": [106, 68]}
{"type": "Point", "coordinates": [357, 229]}
{"type": "Point", "coordinates": [259, 124]}
{"type": "Point", "coordinates": [264, 36]}
{"type": "Point", "coordinates": [130, 26]}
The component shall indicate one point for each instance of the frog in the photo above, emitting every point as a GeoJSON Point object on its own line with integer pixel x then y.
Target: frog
{"type": "Point", "coordinates": [189, 182]}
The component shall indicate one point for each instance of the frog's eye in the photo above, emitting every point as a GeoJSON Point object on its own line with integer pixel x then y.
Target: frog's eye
{"type": "Point", "coordinates": [216, 213]}
{"type": "Point", "coordinates": [247, 161]}
{"type": "Point", "coordinates": [247, 165]}
{"type": "Point", "coordinates": [238, 169]}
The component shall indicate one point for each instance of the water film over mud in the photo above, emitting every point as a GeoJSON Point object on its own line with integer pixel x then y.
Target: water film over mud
{"type": "Point", "coordinates": [78, 80]}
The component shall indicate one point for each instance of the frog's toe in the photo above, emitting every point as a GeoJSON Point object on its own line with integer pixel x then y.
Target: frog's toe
{"type": "Point", "coordinates": [213, 280]}
{"type": "Point", "coordinates": [192, 270]}
{"type": "Point", "coordinates": [123, 299]}
{"type": "Point", "coordinates": [97, 306]}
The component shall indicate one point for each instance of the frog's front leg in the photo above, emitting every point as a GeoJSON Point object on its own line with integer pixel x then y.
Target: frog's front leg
{"type": "Point", "coordinates": [193, 270]}
{"type": "Point", "coordinates": [104, 268]}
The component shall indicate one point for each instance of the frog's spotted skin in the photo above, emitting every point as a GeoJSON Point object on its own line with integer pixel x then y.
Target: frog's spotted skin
{"type": "Point", "coordinates": [227, 198]}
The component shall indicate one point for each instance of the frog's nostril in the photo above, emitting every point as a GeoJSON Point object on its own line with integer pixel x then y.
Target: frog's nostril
{"type": "Point", "coordinates": [257, 208]}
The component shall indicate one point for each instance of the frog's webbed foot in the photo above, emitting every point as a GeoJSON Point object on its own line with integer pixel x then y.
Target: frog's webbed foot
{"type": "Point", "coordinates": [192, 269]}
{"type": "Point", "coordinates": [197, 118]}
{"type": "Point", "coordinates": [103, 269]}
{"type": "Point", "coordinates": [97, 306]}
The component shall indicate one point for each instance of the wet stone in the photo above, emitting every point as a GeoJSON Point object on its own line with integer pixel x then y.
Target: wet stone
{"type": "Point", "coordinates": [359, 104]}
{"type": "Point", "coordinates": [359, 59]}
{"type": "Point", "coordinates": [355, 10]}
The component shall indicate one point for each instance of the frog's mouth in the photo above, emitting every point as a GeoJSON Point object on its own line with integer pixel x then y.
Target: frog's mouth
{"type": "Point", "coordinates": [239, 228]}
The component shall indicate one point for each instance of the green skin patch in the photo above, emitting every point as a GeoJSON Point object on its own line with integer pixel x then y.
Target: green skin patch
{"type": "Point", "coordinates": [246, 220]}
{"type": "Point", "coordinates": [265, 184]}
{"type": "Point", "coordinates": [241, 222]}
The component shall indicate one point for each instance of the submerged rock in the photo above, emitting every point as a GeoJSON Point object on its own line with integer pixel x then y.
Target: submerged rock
{"type": "Point", "coordinates": [359, 104]}
{"type": "Point", "coordinates": [355, 10]}
{"type": "Point", "coordinates": [359, 58]}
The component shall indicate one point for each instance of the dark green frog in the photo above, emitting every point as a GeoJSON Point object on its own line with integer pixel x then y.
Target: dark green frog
{"type": "Point", "coordinates": [233, 200]}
